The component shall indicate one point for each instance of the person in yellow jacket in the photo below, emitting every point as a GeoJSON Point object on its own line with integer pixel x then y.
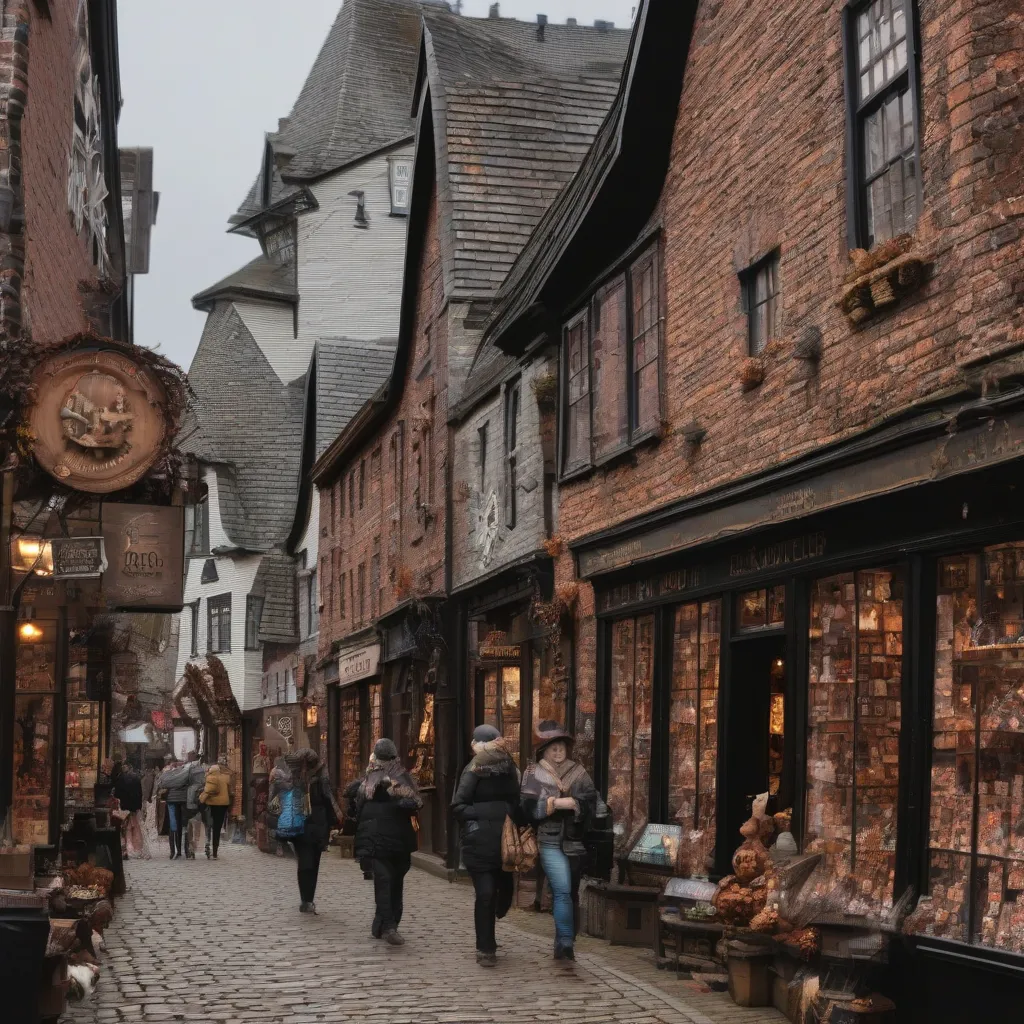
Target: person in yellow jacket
{"type": "Point", "coordinates": [216, 798]}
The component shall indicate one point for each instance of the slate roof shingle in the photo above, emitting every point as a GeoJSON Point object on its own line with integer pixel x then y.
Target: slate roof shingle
{"type": "Point", "coordinates": [258, 279]}
{"type": "Point", "coordinates": [275, 583]}
{"type": "Point", "coordinates": [355, 100]}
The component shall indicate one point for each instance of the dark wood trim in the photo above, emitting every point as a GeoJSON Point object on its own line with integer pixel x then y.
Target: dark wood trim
{"type": "Point", "coordinates": [602, 705]}
{"type": "Point", "coordinates": [661, 700]}
{"type": "Point", "coordinates": [723, 849]}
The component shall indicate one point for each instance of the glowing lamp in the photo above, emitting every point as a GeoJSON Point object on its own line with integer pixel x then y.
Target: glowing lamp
{"type": "Point", "coordinates": [32, 554]}
{"type": "Point", "coordinates": [30, 632]}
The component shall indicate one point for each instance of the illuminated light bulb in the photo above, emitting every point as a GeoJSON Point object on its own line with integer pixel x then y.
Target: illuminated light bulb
{"type": "Point", "coordinates": [29, 631]}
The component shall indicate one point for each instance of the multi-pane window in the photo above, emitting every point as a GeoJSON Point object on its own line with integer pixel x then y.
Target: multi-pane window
{"type": "Point", "coordinates": [511, 453]}
{"type": "Point", "coordinates": [762, 300]}
{"type": "Point", "coordinates": [612, 368]}
{"type": "Point", "coordinates": [253, 615]}
{"type": "Point", "coordinates": [880, 86]}
{"type": "Point", "coordinates": [218, 624]}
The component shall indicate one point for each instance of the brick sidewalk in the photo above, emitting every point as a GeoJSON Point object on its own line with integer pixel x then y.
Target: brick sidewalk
{"type": "Point", "coordinates": [209, 941]}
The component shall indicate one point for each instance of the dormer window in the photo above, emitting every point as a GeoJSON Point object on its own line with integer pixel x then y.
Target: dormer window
{"type": "Point", "coordinates": [400, 181]}
{"type": "Point", "coordinates": [360, 198]}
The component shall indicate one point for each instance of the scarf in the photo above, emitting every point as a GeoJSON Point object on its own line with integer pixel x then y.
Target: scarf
{"type": "Point", "coordinates": [306, 769]}
{"type": "Point", "coordinates": [492, 758]}
{"type": "Point", "coordinates": [403, 787]}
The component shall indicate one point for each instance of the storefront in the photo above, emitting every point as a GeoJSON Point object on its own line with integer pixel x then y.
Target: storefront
{"type": "Point", "coordinates": [355, 707]}
{"type": "Point", "coordinates": [862, 664]}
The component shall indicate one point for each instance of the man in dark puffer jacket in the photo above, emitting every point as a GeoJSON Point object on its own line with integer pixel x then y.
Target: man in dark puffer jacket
{"type": "Point", "coordinates": [487, 792]}
{"type": "Point", "coordinates": [384, 807]}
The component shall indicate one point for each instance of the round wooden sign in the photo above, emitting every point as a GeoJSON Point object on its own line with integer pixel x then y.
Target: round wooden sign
{"type": "Point", "coordinates": [98, 423]}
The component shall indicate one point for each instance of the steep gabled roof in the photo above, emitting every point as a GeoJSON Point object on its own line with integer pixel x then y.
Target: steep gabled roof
{"type": "Point", "coordinates": [514, 115]}
{"type": "Point", "coordinates": [355, 100]}
{"type": "Point", "coordinates": [616, 189]}
{"type": "Point", "coordinates": [259, 279]}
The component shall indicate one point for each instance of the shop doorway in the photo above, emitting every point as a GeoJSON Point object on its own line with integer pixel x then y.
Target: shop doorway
{"type": "Point", "coordinates": [755, 728]}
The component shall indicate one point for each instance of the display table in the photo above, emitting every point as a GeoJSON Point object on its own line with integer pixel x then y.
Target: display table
{"type": "Point", "coordinates": [687, 945]}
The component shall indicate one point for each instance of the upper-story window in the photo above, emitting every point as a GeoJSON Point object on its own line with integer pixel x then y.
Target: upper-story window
{"type": "Point", "coordinates": [312, 604]}
{"type": "Point", "coordinates": [762, 300]}
{"type": "Point", "coordinates": [194, 608]}
{"type": "Point", "coordinates": [881, 89]}
{"type": "Point", "coordinates": [253, 615]}
{"type": "Point", "coordinates": [218, 624]}
{"type": "Point", "coordinates": [197, 528]}
{"type": "Point", "coordinates": [512, 403]}
{"type": "Point", "coordinates": [481, 455]}
{"type": "Point", "coordinates": [611, 367]}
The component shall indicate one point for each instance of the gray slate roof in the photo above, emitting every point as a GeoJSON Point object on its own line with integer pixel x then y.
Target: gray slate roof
{"type": "Point", "coordinates": [275, 583]}
{"type": "Point", "coordinates": [252, 424]}
{"type": "Point", "coordinates": [356, 99]}
{"type": "Point", "coordinates": [348, 374]}
{"type": "Point", "coordinates": [515, 116]}
{"type": "Point", "coordinates": [259, 279]}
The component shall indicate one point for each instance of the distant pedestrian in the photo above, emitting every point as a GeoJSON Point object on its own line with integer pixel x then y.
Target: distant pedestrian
{"type": "Point", "coordinates": [560, 799]}
{"type": "Point", "coordinates": [487, 793]}
{"type": "Point", "coordinates": [183, 786]}
{"type": "Point", "coordinates": [307, 810]}
{"type": "Point", "coordinates": [128, 790]}
{"type": "Point", "coordinates": [216, 798]}
{"type": "Point", "coordinates": [148, 791]}
{"type": "Point", "coordinates": [172, 788]}
{"type": "Point", "coordinates": [385, 805]}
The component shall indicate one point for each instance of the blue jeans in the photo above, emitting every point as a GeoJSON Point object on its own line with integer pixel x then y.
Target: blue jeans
{"type": "Point", "coordinates": [172, 813]}
{"type": "Point", "coordinates": [563, 875]}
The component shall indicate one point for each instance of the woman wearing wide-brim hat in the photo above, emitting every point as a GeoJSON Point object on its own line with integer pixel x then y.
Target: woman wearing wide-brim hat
{"type": "Point", "coordinates": [559, 797]}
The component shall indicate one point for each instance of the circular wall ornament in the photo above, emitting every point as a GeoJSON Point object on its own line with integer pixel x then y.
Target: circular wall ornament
{"type": "Point", "coordinates": [99, 421]}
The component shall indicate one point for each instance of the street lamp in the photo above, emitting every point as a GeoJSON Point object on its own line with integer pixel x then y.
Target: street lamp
{"type": "Point", "coordinates": [29, 632]}
{"type": "Point", "coordinates": [32, 554]}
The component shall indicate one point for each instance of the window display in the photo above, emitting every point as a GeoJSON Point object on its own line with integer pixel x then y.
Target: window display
{"type": "Point", "coordinates": [350, 765]}
{"type": "Point", "coordinates": [761, 609]}
{"type": "Point", "coordinates": [854, 707]}
{"type": "Point", "coordinates": [693, 728]}
{"type": "Point", "coordinates": [977, 790]}
{"type": "Point", "coordinates": [503, 705]}
{"type": "Point", "coordinates": [629, 747]}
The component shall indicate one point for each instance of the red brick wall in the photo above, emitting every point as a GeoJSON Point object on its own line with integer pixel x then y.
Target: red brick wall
{"type": "Point", "coordinates": [411, 544]}
{"type": "Point", "coordinates": [57, 260]}
{"type": "Point", "coordinates": [758, 162]}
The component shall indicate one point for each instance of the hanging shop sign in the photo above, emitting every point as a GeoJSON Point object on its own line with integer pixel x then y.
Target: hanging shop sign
{"type": "Point", "coordinates": [996, 441]}
{"type": "Point", "coordinates": [99, 422]}
{"type": "Point", "coordinates": [494, 646]}
{"type": "Point", "coordinates": [145, 546]}
{"type": "Point", "coordinates": [124, 672]}
{"type": "Point", "coordinates": [78, 557]}
{"type": "Point", "coordinates": [358, 663]}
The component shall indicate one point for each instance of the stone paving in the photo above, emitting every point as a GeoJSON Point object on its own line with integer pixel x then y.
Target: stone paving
{"type": "Point", "coordinates": [212, 941]}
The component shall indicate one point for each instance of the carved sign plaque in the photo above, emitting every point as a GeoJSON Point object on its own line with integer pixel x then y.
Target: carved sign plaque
{"type": "Point", "coordinates": [145, 546]}
{"type": "Point", "coordinates": [98, 423]}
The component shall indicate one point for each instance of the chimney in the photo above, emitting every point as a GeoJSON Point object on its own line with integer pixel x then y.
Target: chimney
{"type": "Point", "coordinates": [604, 26]}
{"type": "Point", "coordinates": [494, 11]}
{"type": "Point", "coordinates": [571, 22]}
{"type": "Point", "coordinates": [542, 21]}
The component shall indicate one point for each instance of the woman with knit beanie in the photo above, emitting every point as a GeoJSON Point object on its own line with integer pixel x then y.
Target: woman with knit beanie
{"type": "Point", "coordinates": [487, 792]}
{"type": "Point", "coordinates": [384, 806]}
{"type": "Point", "coordinates": [560, 799]}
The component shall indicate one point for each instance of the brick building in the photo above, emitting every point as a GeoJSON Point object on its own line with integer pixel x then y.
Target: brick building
{"type": "Point", "coordinates": [786, 471]}
{"type": "Point", "coordinates": [490, 94]}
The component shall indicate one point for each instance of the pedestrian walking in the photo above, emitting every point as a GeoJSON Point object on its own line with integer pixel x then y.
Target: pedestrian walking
{"type": "Point", "coordinates": [559, 797]}
{"type": "Point", "coordinates": [216, 798]}
{"type": "Point", "coordinates": [172, 789]}
{"type": "Point", "coordinates": [385, 806]}
{"type": "Point", "coordinates": [302, 798]}
{"type": "Point", "coordinates": [128, 790]}
{"type": "Point", "coordinates": [487, 793]}
{"type": "Point", "coordinates": [148, 791]}
{"type": "Point", "coordinates": [183, 785]}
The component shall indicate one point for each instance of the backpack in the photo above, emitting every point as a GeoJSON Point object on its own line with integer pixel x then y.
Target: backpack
{"type": "Point", "coordinates": [291, 822]}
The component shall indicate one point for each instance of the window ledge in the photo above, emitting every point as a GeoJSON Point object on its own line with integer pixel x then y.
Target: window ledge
{"type": "Point", "coordinates": [611, 459]}
{"type": "Point", "coordinates": [880, 278]}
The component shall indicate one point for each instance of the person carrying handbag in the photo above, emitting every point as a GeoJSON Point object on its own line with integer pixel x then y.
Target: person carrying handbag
{"type": "Point", "coordinates": [559, 797]}
{"type": "Point", "coordinates": [487, 794]}
{"type": "Point", "coordinates": [216, 799]}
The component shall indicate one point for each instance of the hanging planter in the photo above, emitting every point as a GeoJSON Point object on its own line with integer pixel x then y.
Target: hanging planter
{"type": "Point", "coordinates": [751, 373]}
{"type": "Point", "coordinates": [880, 278]}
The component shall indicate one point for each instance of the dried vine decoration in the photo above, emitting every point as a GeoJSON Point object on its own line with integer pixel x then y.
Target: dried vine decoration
{"type": "Point", "coordinates": [548, 616]}
{"type": "Point", "coordinates": [20, 359]}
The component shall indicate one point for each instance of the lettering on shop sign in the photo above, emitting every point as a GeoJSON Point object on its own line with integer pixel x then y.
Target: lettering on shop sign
{"type": "Point", "coordinates": [358, 663]}
{"type": "Point", "coordinates": [145, 546]}
{"type": "Point", "coordinates": [955, 452]}
{"type": "Point", "coordinates": [776, 556]}
{"type": "Point", "coordinates": [78, 557]}
{"type": "Point", "coordinates": [678, 581]}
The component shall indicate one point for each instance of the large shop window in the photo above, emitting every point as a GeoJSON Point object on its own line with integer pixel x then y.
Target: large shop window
{"type": "Point", "coordinates": [693, 727]}
{"type": "Point", "coordinates": [856, 666]}
{"type": "Point", "coordinates": [977, 787]}
{"type": "Point", "coordinates": [629, 745]}
{"type": "Point", "coordinates": [503, 705]}
{"type": "Point", "coordinates": [350, 765]}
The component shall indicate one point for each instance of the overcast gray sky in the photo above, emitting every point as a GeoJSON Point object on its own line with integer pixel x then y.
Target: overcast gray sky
{"type": "Point", "coordinates": [202, 81]}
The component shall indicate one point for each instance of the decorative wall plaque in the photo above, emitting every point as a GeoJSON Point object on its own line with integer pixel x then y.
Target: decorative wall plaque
{"type": "Point", "coordinates": [78, 557]}
{"type": "Point", "coordinates": [145, 547]}
{"type": "Point", "coordinates": [98, 423]}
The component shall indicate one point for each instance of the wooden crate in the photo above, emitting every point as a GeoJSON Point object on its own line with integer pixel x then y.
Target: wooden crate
{"type": "Point", "coordinates": [632, 915]}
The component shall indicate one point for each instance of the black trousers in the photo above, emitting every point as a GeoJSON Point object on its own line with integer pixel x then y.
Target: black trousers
{"type": "Point", "coordinates": [308, 856]}
{"type": "Point", "coordinates": [388, 889]}
{"type": "Point", "coordinates": [216, 821]}
{"type": "Point", "coordinates": [493, 899]}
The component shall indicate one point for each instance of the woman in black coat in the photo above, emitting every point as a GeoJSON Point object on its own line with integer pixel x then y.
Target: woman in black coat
{"type": "Point", "coordinates": [487, 792]}
{"type": "Point", "coordinates": [384, 806]}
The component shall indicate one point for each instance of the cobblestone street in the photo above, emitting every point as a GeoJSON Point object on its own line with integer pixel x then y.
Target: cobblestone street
{"type": "Point", "coordinates": [223, 940]}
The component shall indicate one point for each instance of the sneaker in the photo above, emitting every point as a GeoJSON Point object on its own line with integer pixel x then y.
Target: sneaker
{"type": "Point", "coordinates": [307, 908]}
{"type": "Point", "coordinates": [393, 938]}
{"type": "Point", "coordinates": [486, 959]}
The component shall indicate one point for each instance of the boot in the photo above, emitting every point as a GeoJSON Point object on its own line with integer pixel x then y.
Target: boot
{"type": "Point", "coordinates": [486, 959]}
{"type": "Point", "coordinates": [393, 938]}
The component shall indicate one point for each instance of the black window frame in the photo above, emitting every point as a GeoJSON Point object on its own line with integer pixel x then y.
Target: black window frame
{"type": "Point", "coordinates": [197, 513]}
{"type": "Point", "coordinates": [513, 433]}
{"type": "Point", "coordinates": [312, 604]}
{"type": "Point", "coordinates": [857, 113]}
{"type": "Point", "coordinates": [216, 607]}
{"type": "Point", "coordinates": [649, 251]}
{"type": "Point", "coordinates": [771, 265]}
{"type": "Point", "coordinates": [253, 617]}
{"type": "Point", "coordinates": [194, 620]}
